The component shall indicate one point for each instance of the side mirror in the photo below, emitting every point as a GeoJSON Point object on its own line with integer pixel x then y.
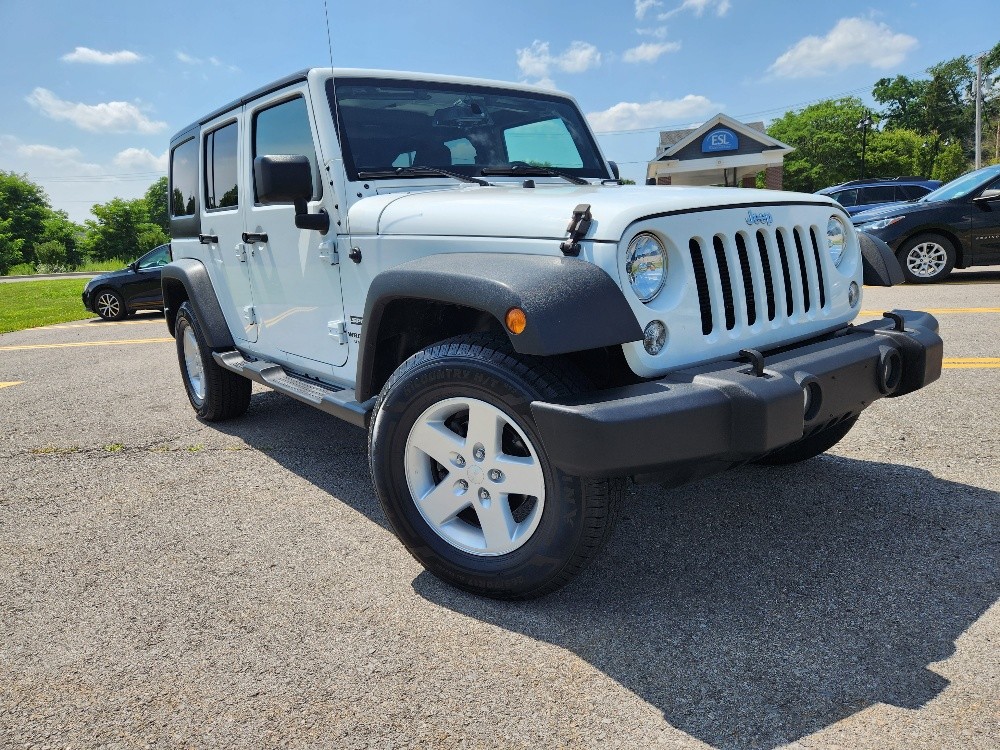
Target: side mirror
{"type": "Point", "coordinates": [134, 265]}
{"type": "Point", "coordinates": [987, 197]}
{"type": "Point", "coordinates": [614, 170]}
{"type": "Point", "coordinates": [288, 179]}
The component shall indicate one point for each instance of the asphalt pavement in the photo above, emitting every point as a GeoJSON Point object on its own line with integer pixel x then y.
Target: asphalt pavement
{"type": "Point", "coordinates": [169, 583]}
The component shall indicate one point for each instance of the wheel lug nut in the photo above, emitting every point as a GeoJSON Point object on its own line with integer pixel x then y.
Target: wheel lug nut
{"type": "Point", "coordinates": [484, 493]}
{"type": "Point", "coordinates": [479, 453]}
{"type": "Point", "coordinates": [496, 475]}
{"type": "Point", "coordinates": [463, 485]}
{"type": "Point", "coordinates": [459, 461]}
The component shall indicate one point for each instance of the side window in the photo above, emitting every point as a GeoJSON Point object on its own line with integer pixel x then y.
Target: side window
{"type": "Point", "coordinates": [546, 144]}
{"type": "Point", "coordinates": [846, 197]}
{"type": "Point", "coordinates": [284, 130]}
{"type": "Point", "coordinates": [184, 178]}
{"type": "Point", "coordinates": [221, 189]}
{"type": "Point", "coordinates": [881, 194]}
{"type": "Point", "coordinates": [160, 256]}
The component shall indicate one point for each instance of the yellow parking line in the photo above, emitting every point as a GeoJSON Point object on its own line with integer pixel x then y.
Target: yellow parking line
{"type": "Point", "coordinates": [970, 363]}
{"type": "Point", "coordinates": [943, 311]}
{"type": "Point", "coordinates": [9, 384]}
{"type": "Point", "coordinates": [82, 343]}
{"type": "Point", "coordinates": [101, 323]}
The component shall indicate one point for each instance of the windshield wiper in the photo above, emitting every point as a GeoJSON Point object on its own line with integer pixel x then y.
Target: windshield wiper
{"type": "Point", "coordinates": [532, 170]}
{"type": "Point", "coordinates": [419, 172]}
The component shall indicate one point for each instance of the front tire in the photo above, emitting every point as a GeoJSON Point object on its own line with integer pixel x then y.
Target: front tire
{"type": "Point", "coordinates": [927, 258]}
{"type": "Point", "coordinates": [110, 305]}
{"type": "Point", "coordinates": [464, 480]}
{"type": "Point", "coordinates": [215, 393]}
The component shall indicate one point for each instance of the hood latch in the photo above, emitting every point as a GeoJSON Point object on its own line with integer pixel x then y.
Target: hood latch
{"type": "Point", "coordinates": [577, 229]}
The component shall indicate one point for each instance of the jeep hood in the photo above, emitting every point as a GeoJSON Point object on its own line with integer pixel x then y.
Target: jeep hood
{"type": "Point", "coordinates": [545, 211]}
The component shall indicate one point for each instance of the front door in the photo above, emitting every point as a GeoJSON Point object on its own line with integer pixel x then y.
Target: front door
{"type": "Point", "coordinates": [225, 190]}
{"type": "Point", "coordinates": [986, 230]}
{"type": "Point", "coordinates": [296, 282]}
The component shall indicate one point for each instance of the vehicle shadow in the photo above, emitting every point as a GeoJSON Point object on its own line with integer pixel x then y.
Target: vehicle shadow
{"type": "Point", "coordinates": [972, 277]}
{"type": "Point", "coordinates": [752, 608]}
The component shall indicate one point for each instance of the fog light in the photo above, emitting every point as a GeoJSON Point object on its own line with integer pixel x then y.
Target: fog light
{"type": "Point", "coordinates": [853, 294]}
{"type": "Point", "coordinates": [654, 337]}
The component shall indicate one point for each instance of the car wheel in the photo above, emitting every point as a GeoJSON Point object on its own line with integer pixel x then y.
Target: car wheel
{"type": "Point", "coordinates": [809, 447]}
{"type": "Point", "coordinates": [214, 392]}
{"type": "Point", "coordinates": [109, 304]}
{"type": "Point", "coordinates": [463, 477]}
{"type": "Point", "coordinates": [927, 258]}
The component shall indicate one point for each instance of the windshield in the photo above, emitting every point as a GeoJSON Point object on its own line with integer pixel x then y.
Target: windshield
{"type": "Point", "coordinates": [387, 124]}
{"type": "Point", "coordinates": [962, 186]}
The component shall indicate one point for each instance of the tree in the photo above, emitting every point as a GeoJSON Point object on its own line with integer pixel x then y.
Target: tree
{"type": "Point", "coordinates": [826, 140]}
{"type": "Point", "coordinates": [26, 206]}
{"type": "Point", "coordinates": [156, 202]}
{"type": "Point", "coordinates": [51, 254]}
{"type": "Point", "coordinates": [58, 228]}
{"type": "Point", "coordinates": [122, 230]}
{"type": "Point", "coordinates": [10, 247]}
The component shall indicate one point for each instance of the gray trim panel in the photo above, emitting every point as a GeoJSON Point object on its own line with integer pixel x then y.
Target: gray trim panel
{"type": "Point", "coordinates": [193, 275]}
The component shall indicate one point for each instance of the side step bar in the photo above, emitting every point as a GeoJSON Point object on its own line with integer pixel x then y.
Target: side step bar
{"type": "Point", "coordinates": [339, 402]}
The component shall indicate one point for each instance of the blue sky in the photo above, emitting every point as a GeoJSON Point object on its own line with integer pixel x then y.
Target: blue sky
{"type": "Point", "coordinates": [92, 92]}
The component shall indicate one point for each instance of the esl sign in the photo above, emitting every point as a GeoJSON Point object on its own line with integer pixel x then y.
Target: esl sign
{"type": "Point", "coordinates": [720, 139]}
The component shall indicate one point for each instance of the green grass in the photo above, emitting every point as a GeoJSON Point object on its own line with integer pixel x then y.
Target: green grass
{"type": "Point", "coordinates": [27, 304]}
{"type": "Point", "coordinates": [100, 266]}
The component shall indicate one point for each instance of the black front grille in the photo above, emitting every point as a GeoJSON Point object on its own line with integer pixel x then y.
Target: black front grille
{"type": "Point", "coordinates": [774, 270]}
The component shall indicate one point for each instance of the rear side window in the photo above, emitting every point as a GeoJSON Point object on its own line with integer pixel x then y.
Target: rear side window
{"type": "Point", "coordinates": [910, 192]}
{"type": "Point", "coordinates": [184, 178]}
{"type": "Point", "coordinates": [284, 129]}
{"type": "Point", "coordinates": [221, 189]}
{"type": "Point", "coordinates": [881, 194]}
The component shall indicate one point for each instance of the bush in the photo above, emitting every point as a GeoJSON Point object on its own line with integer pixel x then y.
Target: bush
{"type": "Point", "coordinates": [51, 253]}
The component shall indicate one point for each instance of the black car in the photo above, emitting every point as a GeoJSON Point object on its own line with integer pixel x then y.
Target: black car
{"type": "Point", "coordinates": [115, 295]}
{"type": "Point", "coordinates": [955, 226]}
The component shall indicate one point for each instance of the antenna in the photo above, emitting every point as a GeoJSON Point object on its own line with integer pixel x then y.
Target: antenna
{"type": "Point", "coordinates": [329, 44]}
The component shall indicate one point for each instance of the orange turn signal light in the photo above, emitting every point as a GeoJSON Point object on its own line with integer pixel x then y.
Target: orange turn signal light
{"type": "Point", "coordinates": [516, 320]}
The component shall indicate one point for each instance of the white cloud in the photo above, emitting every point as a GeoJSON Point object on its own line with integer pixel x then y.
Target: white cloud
{"type": "Point", "coordinates": [643, 6]}
{"type": "Point", "coordinates": [141, 160]}
{"type": "Point", "coordinates": [658, 32]}
{"type": "Point", "coordinates": [113, 117]}
{"type": "Point", "coordinates": [88, 55]}
{"type": "Point", "coordinates": [537, 61]}
{"type": "Point", "coordinates": [853, 41]}
{"type": "Point", "coordinates": [633, 116]}
{"type": "Point", "coordinates": [196, 61]}
{"type": "Point", "coordinates": [649, 51]}
{"type": "Point", "coordinates": [48, 153]}
{"type": "Point", "coordinates": [699, 7]}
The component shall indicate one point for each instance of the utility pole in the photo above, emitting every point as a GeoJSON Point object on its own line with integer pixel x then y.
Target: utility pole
{"type": "Point", "coordinates": [979, 111]}
{"type": "Point", "coordinates": [863, 124]}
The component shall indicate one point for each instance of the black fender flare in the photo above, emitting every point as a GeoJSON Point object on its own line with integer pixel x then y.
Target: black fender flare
{"type": "Point", "coordinates": [198, 290]}
{"type": "Point", "coordinates": [881, 266]}
{"type": "Point", "coordinates": [570, 304]}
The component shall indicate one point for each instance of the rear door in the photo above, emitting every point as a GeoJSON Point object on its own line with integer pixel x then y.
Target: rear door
{"type": "Point", "coordinates": [224, 191]}
{"type": "Point", "coordinates": [296, 282]}
{"type": "Point", "coordinates": [986, 230]}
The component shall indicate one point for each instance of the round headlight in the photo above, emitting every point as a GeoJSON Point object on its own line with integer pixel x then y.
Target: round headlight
{"type": "Point", "coordinates": [646, 266]}
{"type": "Point", "coordinates": [836, 239]}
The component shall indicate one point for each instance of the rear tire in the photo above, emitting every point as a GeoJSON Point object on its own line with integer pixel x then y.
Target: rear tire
{"type": "Point", "coordinates": [811, 446]}
{"type": "Point", "coordinates": [464, 479]}
{"type": "Point", "coordinates": [215, 393]}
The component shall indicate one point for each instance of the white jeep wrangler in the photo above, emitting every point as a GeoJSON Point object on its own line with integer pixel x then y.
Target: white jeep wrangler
{"type": "Point", "coordinates": [453, 265]}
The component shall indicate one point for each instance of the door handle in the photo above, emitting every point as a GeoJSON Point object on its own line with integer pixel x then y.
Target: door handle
{"type": "Point", "coordinates": [253, 238]}
{"type": "Point", "coordinates": [208, 239]}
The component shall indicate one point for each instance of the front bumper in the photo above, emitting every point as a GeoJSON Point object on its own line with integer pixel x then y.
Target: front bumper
{"type": "Point", "coordinates": [703, 419]}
